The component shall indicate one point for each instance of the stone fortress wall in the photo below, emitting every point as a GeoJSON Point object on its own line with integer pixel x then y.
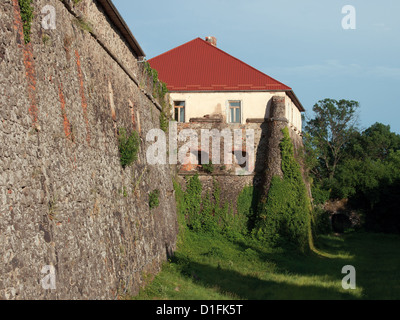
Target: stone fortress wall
{"type": "Point", "coordinates": [65, 200]}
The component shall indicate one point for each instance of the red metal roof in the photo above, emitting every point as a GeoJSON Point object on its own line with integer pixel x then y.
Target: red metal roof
{"type": "Point", "coordinates": [200, 66]}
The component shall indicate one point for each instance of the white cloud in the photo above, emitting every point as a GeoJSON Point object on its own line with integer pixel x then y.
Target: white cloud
{"type": "Point", "coordinates": [381, 26]}
{"type": "Point", "coordinates": [385, 72]}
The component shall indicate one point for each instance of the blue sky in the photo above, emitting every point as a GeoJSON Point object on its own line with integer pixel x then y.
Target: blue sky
{"type": "Point", "coordinates": [300, 43]}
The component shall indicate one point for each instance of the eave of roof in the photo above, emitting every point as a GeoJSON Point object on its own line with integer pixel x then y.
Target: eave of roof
{"type": "Point", "coordinates": [121, 25]}
{"type": "Point", "coordinates": [295, 100]}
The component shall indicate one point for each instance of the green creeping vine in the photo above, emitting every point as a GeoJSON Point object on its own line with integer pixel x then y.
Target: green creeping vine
{"type": "Point", "coordinates": [209, 213]}
{"type": "Point", "coordinates": [285, 217]}
{"type": "Point", "coordinates": [159, 91]}
{"type": "Point", "coordinates": [128, 147]}
{"type": "Point", "coordinates": [154, 200]}
{"type": "Point", "coordinates": [26, 10]}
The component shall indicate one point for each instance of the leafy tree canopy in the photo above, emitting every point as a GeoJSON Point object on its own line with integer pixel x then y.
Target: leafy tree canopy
{"type": "Point", "coordinates": [333, 126]}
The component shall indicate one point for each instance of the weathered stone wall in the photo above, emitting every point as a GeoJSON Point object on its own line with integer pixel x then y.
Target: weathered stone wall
{"type": "Point", "coordinates": [231, 177]}
{"type": "Point", "coordinates": [217, 142]}
{"type": "Point", "coordinates": [65, 200]}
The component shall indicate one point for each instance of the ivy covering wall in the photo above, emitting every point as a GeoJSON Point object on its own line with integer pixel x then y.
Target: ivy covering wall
{"type": "Point", "coordinates": [26, 10]}
{"type": "Point", "coordinates": [283, 219]}
{"type": "Point", "coordinates": [286, 214]}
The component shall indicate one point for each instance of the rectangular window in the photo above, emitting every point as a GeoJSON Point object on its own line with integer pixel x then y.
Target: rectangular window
{"type": "Point", "coordinates": [235, 112]}
{"type": "Point", "coordinates": [179, 111]}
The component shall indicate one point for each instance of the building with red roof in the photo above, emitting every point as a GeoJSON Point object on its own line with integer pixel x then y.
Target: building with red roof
{"type": "Point", "coordinates": [205, 81]}
{"type": "Point", "coordinates": [212, 91]}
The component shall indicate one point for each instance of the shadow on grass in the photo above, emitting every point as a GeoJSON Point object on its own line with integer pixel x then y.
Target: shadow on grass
{"type": "Point", "coordinates": [246, 270]}
{"type": "Point", "coordinates": [376, 258]}
{"type": "Point", "coordinates": [327, 259]}
{"type": "Point", "coordinates": [377, 263]}
{"type": "Point", "coordinates": [248, 287]}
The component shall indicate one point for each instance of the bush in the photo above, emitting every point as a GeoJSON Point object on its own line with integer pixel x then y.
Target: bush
{"type": "Point", "coordinates": [128, 147]}
{"type": "Point", "coordinates": [319, 194]}
{"type": "Point", "coordinates": [321, 223]}
{"type": "Point", "coordinates": [154, 200]}
{"type": "Point", "coordinates": [26, 10]}
{"type": "Point", "coordinates": [208, 167]}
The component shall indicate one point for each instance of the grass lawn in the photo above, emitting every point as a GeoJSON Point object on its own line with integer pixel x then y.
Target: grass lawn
{"type": "Point", "coordinates": [214, 268]}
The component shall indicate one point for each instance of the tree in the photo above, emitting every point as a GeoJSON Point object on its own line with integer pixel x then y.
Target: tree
{"type": "Point", "coordinates": [326, 135]}
{"type": "Point", "coordinates": [370, 162]}
{"type": "Point", "coordinates": [376, 142]}
{"type": "Point", "coordinates": [361, 166]}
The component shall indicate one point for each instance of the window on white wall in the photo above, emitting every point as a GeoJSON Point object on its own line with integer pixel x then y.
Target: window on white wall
{"type": "Point", "coordinates": [235, 112]}
{"type": "Point", "coordinates": [179, 108]}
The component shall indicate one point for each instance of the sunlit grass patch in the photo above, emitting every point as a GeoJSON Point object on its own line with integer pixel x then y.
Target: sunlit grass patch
{"type": "Point", "coordinates": [215, 268]}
